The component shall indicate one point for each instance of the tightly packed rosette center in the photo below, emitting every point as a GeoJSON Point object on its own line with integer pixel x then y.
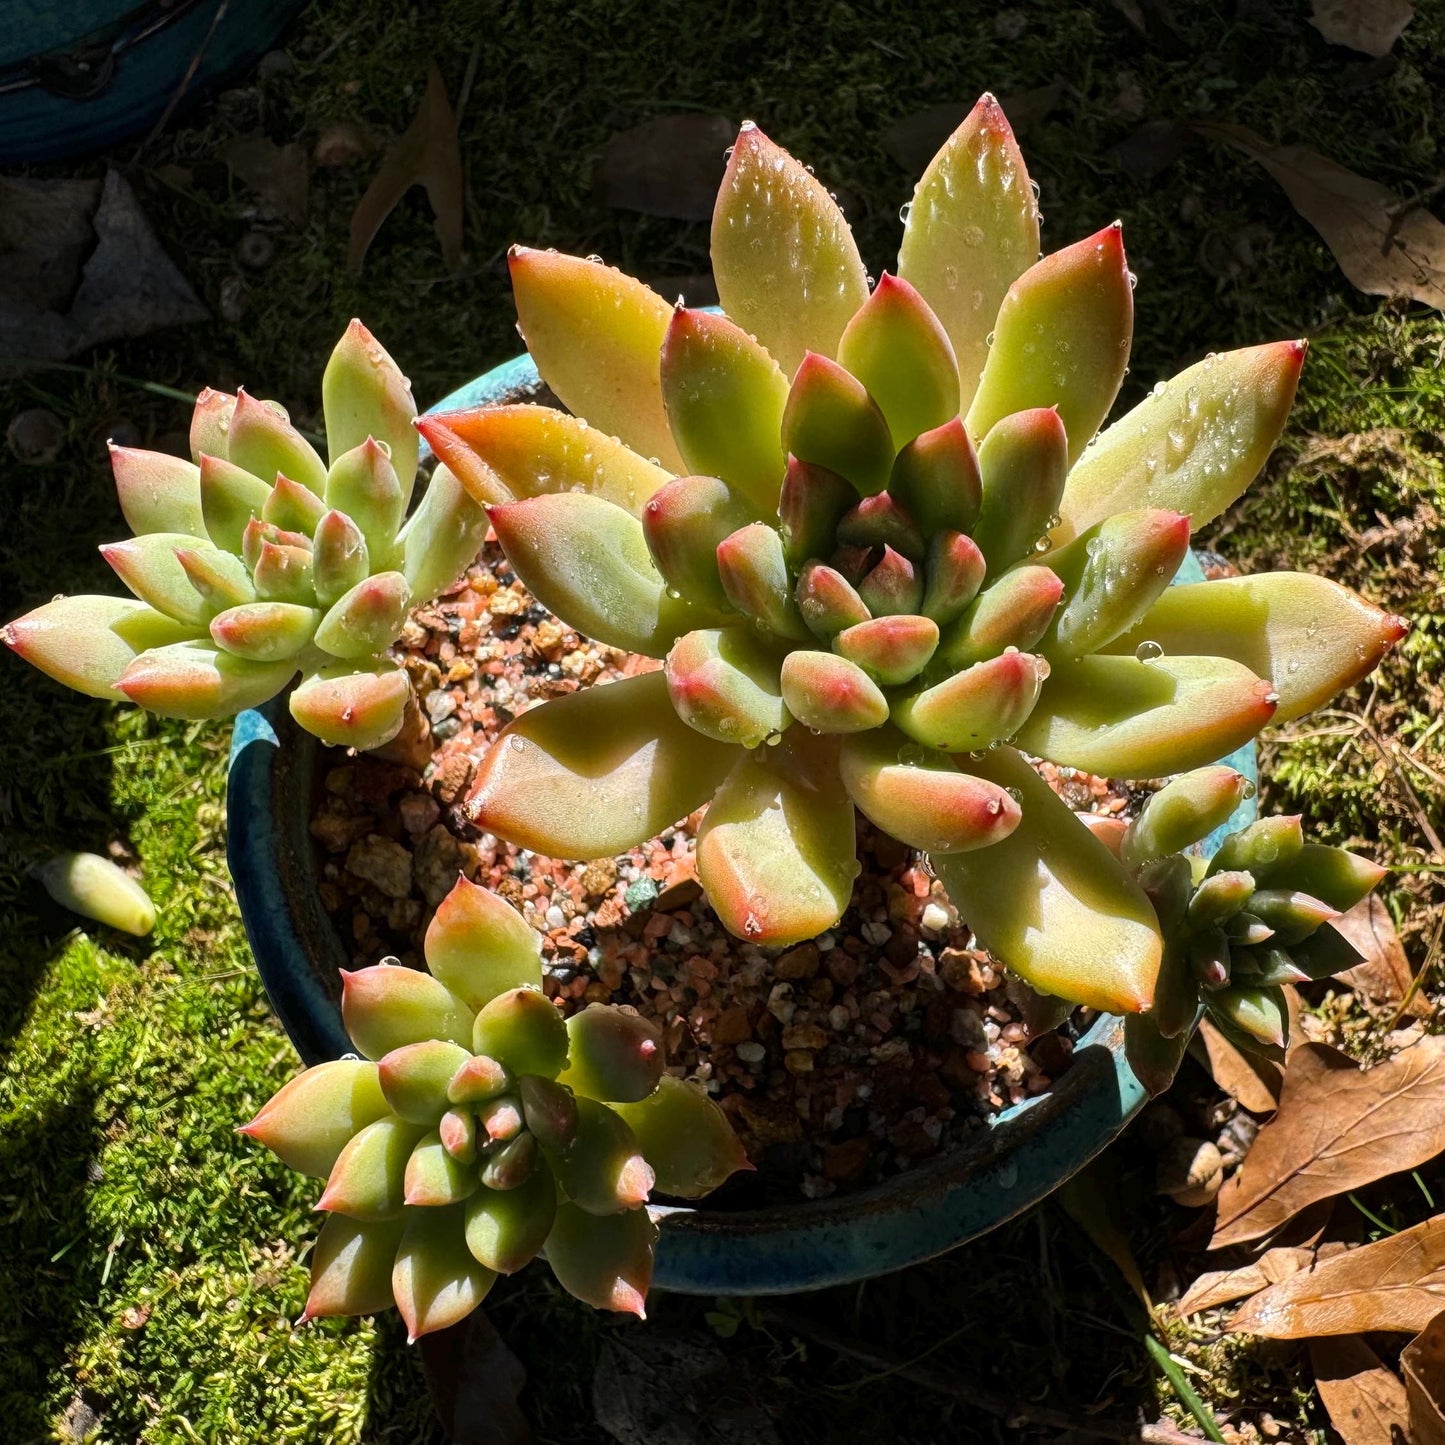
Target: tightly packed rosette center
{"type": "Point", "coordinates": [873, 535]}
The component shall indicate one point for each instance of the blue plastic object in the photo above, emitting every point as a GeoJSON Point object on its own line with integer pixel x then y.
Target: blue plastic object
{"type": "Point", "coordinates": [1023, 1154]}
{"type": "Point", "coordinates": [76, 75]}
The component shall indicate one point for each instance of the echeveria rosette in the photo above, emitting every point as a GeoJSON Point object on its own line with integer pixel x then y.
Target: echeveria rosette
{"type": "Point", "coordinates": [478, 1128]}
{"type": "Point", "coordinates": [1238, 925]}
{"type": "Point", "coordinates": [256, 561]}
{"type": "Point", "coordinates": [874, 536]}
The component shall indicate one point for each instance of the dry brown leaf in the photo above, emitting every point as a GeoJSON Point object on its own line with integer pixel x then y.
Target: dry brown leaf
{"type": "Point", "coordinates": [1396, 1284]}
{"type": "Point", "coordinates": [668, 166]}
{"type": "Point", "coordinates": [1386, 246]}
{"type": "Point", "coordinates": [1383, 974]}
{"type": "Point", "coordinates": [279, 175]}
{"type": "Point", "coordinates": [1423, 1364]}
{"type": "Point", "coordinates": [1223, 1286]}
{"type": "Point", "coordinates": [1253, 1082]}
{"type": "Point", "coordinates": [429, 155]}
{"type": "Point", "coordinates": [1338, 1127]}
{"type": "Point", "coordinates": [1364, 1398]}
{"type": "Point", "coordinates": [1369, 26]}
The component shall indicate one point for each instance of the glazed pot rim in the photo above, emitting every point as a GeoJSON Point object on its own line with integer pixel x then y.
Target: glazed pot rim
{"type": "Point", "coordinates": [1015, 1159]}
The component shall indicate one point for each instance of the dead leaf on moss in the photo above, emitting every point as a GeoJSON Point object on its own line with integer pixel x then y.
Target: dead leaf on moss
{"type": "Point", "coordinates": [1223, 1286]}
{"type": "Point", "coordinates": [668, 166]}
{"type": "Point", "coordinates": [1364, 1397]}
{"type": "Point", "coordinates": [1383, 974]}
{"type": "Point", "coordinates": [1369, 26]}
{"type": "Point", "coordinates": [1396, 1284]}
{"type": "Point", "coordinates": [1423, 1364]}
{"type": "Point", "coordinates": [1338, 1127]}
{"type": "Point", "coordinates": [1385, 245]}
{"type": "Point", "coordinates": [279, 175]}
{"type": "Point", "coordinates": [428, 154]}
{"type": "Point", "coordinates": [1253, 1083]}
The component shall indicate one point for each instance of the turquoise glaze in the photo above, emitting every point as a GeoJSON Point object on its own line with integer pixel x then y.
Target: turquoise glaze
{"type": "Point", "coordinates": [1022, 1155]}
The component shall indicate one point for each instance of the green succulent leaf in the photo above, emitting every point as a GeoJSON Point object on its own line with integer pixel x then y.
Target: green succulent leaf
{"type": "Point", "coordinates": [1266, 847]}
{"type": "Point", "coordinates": [953, 574]}
{"type": "Point", "coordinates": [1023, 463]}
{"type": "Point", "coordinates": [522, 1030]}
{"type": "Point", "coordinates": [221, 579]}
{"type": "Point", "coordinates": [364, 394]}
{"type": "Point", "coordinates": [587, 561]}
{"type": "Point", "coordinates": [1062, 340]}
{"type": "Point", "coordinates": [1334, 876]}
{"type": "Point", "coordinates": [1193, 445]}
{"type": "Point", "coordinates": [1124, 718]}
{"type": "Point", "coordinates": [506, 1227]}
{"type": "Point", "coordinates": [436, 1279]}
{"type": "Point", "coordinates": [596, 335]}
{"type": "Point", "coordinates": [442, 536]}
{"type": "Point", "coordinates": [293, 507]}
{"type": "Point", "coordinates": [264, 631]}
{"type": "Point", "coordinates": [507, 453]}
{"type": "Point", "coordinates": [351, 1265]}
{"type": "Point", "coordinates": [776, 848]}
{"type": "Point", "coordinates": [368, 1180]}
{"type": "Point", "coordinates": [192, 680]}
{"type": "Point", "coordinates": [726, 683]}
{"type": "Point", "coordinates": [415, 1077]}
{"type": "Point", "coordinates": [141, 629]}
{"type": "Point", "coordinates": [594, 774]}
{"type": "Point", "coordinates": [480, 946]}
{"type": "Point", "coordinates": [263, 442]}
{"type": "Point", "coordinates": [684, 523]}
{"type": "Point", "coordinates": [831, 421]}
{"type": "Point", "coordinates": [1052, 903]}
{"type": "Point", "coordinates": [309, 1121]}
{"type": "Point", "coordinates": [367, 618]}
{"type": "Point", "coordinates": [283, 574]}
{"type": "Point", "coordinates": [231, 498]}
{"type": "Point", "coordinates": [891, 650]}
{"type": "Point", "coordinates": [785, 261]}
{"type": "Point", "coordinates": [365, 485]}
{"type": "Point", "coordinates": [148, 565]}
{"type": "Point", "coordinates": [602, 1171]}
{"type": "Point", "coordinates": [350, 706]}
{"type": "Point", "coordinates": [724, 397]}
{"type": "Point", "coordinates": [830, 694]}
{"type": "Point", "coordinates": [340, 559]}
{"type": "Point", "coordinates": [935, 476]}
{"type": "Point", "coordinates": [605, 1261]}
{"type": "Point", "coordinates": [211, 423]}
{"type": "Point", "coordinates": [920, 796]}
{"type": "Point", "coordinates": [1311, 637]}
{"type": "Point", "coordinates": [1185, 810]}
{"type": "Point", "coordinates": [157, 492]}
{"type": "Point", "coordinates": [685, 1137]}
{"type": "Point", "coordinates": [754, 575]}
{"type": "Point", "coordinates": [73, 640]}
{"type": "Point", "coordinates": [812, 504]}
{"type": "Point", "coordinates": [900, 351]}
{"type": "Point", "coordinates": [387, 1006]}
{"type": "Point", "coordinates": [434, 1178]}
{"type": "Point", "coordinates": [983, 704]}
{"type": "Point", "coordinates": [1014, 611]}
{"type": "Point", "coordinates": [972, 229]}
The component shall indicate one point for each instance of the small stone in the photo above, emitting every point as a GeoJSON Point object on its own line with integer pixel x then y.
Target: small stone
{"type": "Point", "coordinates": [640, 894]}
{"type": "Point", "coordinates": [454, 773]}
{"type": "Point", "coordinates": [845, 1162]}
{"type": "Point", "coordinates": [841, 967]}
{"type": "Point", "coordinates": [440, 705]}
{"type": "Point", "coordinates": [555, 917]}
{"type": "Point", "coordinates": [798, 1061]}
{"type": "Point", "coordinates": [336, 832]}
{"type": "Point", "coordinates": [804, 1036]}
{"type": "Point", "coordinates": [961, 971]}
{"type": "Point", "coordinates": [798, 963]}
{"type": "Point", "coordinates": [419, 811]}
{"type": "Point", "coordinates": [732, 1027]}
{"type": "Point", "coordinates": [382, 863]}
{"type": "Point", "coordinates": [598, 877]}
{"type": "Point", "coordinates": [752, 1052]}
{"type": "Point", "coordinates": [966, 1028]}
{"type": "Point", "coordinates": [35, 436]}
{"type": "Point", "coordinates": [437, 863]}
{"type": "Point", "coordinates": [935, 917]}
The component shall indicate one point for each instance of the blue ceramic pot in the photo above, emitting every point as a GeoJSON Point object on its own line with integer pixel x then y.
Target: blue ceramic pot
{"type": "Point", "coordinates": [1024, 1154]}
{"type": "Point", "coordinates": [81, 74]}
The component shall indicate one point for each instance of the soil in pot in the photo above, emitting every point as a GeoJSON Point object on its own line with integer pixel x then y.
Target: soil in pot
{"type": "Point", "coordinates": [840, 1061]}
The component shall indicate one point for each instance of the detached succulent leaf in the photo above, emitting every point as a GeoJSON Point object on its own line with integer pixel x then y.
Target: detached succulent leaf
{"type": "Point", "coordinates": [1125, 718]}
{"type": "Point", "coordinates": [776, 848]}
{"type": "Point", "coordinates": [724, 397]}
{"type": "Point", "coordinates": [971, 230]}
{"type": "Point", "coordinates": [94, 887]}
{"type": "Point", "coordinates": [1311, 637]}
{"type": "Point", "coordinates": [1052, 903]}
{"type": "Point", "coordinates": [786, 265]}
{"type": "Point", "coordinates": [899, 350]}
{"type": "Point", "coordinates": [1193, 445]}
{"type": "Point", "coordinates": [595, 335]}
{"type": "Point", "coordinates": [1061, 340]}
{"type": "Point", "coordinates": [594, 774]}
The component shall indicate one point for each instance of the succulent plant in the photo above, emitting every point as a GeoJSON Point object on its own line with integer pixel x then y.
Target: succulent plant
{"type": "Point", "coordinates": [257, 560]}
{"type": "Point", "coordinates": [873, 533]}
{"type": "Point", "coordinates": [1237, 926]}
{"type": "Point", "coordinates": [479, 1128]}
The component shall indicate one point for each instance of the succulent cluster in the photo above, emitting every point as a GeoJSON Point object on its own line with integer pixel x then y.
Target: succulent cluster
{"type": "Point", "coordinates": [257, 560]}
{"type": "Point", "coordinates": [873, 534]}
{"type": "Point", "coordinates": [1238, 925]}
{"type": "Point", "coordinates": [479, 1128]}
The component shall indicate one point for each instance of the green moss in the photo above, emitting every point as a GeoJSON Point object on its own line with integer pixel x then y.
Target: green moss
{"type": "Point", "coordinates": [153, 1259]}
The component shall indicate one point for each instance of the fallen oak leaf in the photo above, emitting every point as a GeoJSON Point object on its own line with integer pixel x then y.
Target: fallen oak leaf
{"type": "Point", "coordinates": [427, 154]}
{"type": "Point", "coordinates": [1364, 1397]}
{"type": "Point", "coordinates": [279, 175]}
{"type": "Point", "coordinates": [1383, 974]}
{"type": "Point", "coordinates": [1369, 26]}
{"type": "Point", "coordinates": [1224, 1286]}
{"type": "Point", "coordinates": [1253, 1083]}
{"type": "Point", "coordinates": [1384, 246]}
{"type": "Point", "coordinates": [1396, 1284]}
{"type": "Point", "coordinates": [668, 166]}
{"type": "Point", "coordinates": [1423, 1364]}
{"type": "Point", "coordinates": [1338, 1127]}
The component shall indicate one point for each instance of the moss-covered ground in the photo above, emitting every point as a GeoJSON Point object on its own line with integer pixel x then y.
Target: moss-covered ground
{"type": "Point", "coordinates": [151, 1260]}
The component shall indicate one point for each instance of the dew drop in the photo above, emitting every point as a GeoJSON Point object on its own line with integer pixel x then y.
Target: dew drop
{"type": "Point", "coordinates": [518, 744]}
{"type": "Point", "coordinates": [1250, 788]}
{"type": "Point", "coordinates": [905, 211]}
{"type": "Point", "coordinates": [1148, 651]}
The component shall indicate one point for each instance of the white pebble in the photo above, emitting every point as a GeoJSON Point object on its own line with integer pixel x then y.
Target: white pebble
{"type": "Point", "coordinates": [752, 1052]}
{"type": "Point", "coordinates": [935, 917]}
{"type": "Point", "coordinates": [556, 918]}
